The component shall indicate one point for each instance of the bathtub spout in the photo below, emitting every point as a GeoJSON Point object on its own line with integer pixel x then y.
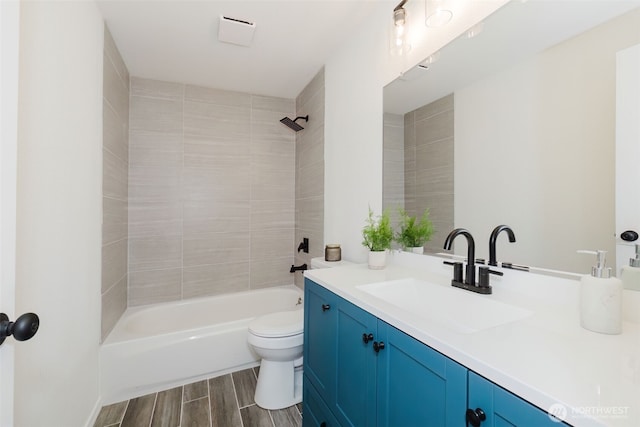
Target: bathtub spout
{"type": "Point", "coordinates": [303, 267]}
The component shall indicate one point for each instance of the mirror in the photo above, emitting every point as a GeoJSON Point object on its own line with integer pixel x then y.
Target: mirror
{"type": "Point", "coordinates": [515, 126]}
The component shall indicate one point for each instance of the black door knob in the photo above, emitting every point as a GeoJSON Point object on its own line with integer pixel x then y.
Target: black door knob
{"type": "Point", "coordinates": [377, 346]}
{"type": "Point", "coordinates": [475, 417]}
{"type": "Point", "coordinates": [367, 337]}
{"type": "Point", "coordinates": [22, 329]}
{"type": "Point", "coordinates": [629, 236]}
{"type": "Point", "coordinates": [325, 307]}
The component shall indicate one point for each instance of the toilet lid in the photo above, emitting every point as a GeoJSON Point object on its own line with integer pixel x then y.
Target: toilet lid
{"type": "Point", "coordinates": [280, 324]}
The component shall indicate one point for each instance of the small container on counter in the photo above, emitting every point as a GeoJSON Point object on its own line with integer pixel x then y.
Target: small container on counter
{"type": "Point", "coordinates": [332, 253]}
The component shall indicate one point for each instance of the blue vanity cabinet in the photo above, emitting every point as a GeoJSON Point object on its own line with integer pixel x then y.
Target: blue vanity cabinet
{"type": "Point", "coordinates": [355, 394]}
{"type": "Point", "coordinates": [502, 408]}
{"type": "Point", "coordinates": [417, 386]}
{"type": "Point", "coordinates": [320, 321]}
{"type": "Point", "coordinates": [381, 376]}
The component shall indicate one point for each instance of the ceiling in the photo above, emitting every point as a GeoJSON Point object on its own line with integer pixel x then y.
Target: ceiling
{"type": "Point", "coordinates": [177, 40]}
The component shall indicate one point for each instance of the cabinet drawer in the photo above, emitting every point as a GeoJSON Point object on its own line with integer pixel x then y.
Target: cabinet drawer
{"type": "Point", "coordinates": [314, 411]}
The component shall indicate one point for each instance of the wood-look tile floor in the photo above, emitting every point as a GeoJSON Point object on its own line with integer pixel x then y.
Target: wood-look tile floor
{"type": "Point", "coordinates": [225, 401]}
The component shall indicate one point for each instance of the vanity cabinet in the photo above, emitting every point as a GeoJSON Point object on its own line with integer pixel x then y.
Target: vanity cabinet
{"type": "Point", "coordinates": [368, 373]}
{"type": "Point", "coordinates": [360, 371]}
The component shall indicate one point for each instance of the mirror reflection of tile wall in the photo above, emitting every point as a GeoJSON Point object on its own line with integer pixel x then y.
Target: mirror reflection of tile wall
{"type": "Point", "coordinates": [427, 161]}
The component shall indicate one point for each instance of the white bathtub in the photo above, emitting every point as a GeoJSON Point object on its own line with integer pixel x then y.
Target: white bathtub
{"type": "Point", "coordinates": [157, 347]}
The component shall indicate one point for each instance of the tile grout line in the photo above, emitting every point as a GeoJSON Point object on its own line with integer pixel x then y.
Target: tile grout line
{"type": "Point", "coordinates": [153, 410]}
{"type": "Point", "coordinates": [209, 400]}
{"type": "Point", "coordinates": [235, 392]}
{"type": "Point", "coordinates": [182, 402]}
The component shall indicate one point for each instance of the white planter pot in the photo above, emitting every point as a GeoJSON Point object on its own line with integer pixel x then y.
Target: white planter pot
{"type": "Point", "coordinates": [377, 260]}
{"type": "Point", "coordinates": [418, 250]}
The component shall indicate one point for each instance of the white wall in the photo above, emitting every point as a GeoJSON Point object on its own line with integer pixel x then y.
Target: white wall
{"type": "Point", "coordinates": [354, 78]}
{"type": "Point", "coordinates": [59, 211]}
{"type": "Point", "coordinates": [534, 149]}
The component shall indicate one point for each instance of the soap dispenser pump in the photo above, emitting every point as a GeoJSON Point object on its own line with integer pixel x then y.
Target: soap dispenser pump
{"type": "Point", "coordinates": [630, 274]}
{"type": "Point", "coordinates": [601, 298]}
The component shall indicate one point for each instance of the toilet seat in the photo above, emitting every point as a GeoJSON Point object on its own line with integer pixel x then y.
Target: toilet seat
{"type": "Point", "coordinates": [280, 324]}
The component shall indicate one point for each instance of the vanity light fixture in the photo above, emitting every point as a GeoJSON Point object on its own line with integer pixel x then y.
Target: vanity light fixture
{"type": "Point", "coordinates": [437, 13]}
{"type": "Point", "coordinates": [399, 43]}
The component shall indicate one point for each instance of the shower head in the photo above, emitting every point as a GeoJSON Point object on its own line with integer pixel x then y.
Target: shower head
{"type": "Point", "coordinates": [292, 123]}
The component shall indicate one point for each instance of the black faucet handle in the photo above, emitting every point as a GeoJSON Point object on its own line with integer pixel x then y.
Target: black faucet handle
{"type": "Point", "coordinates": [483, 276]}
{"type": "Point", "coordinates": [457, 270]}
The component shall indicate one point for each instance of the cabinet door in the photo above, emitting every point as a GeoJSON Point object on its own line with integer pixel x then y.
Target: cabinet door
{"type": "Point", "coordinates": [417, 386]}
{"type": "Point", "coordinates": [503, 408]}
{"type": "Point", "coordinates": [355, 393]}
{"type": "Point", "coordinates": [320, 338]}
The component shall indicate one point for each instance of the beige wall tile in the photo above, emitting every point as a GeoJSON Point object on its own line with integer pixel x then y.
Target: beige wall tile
{"type": "Point", "coordinates": [272, 185]}
{"type": "Point", "coordinates": [153, 286]}
{"type": "Point", "coordinates": [310, 213]}
{"type": "Point", "coordinates": [155, 218]}
{"type": "Point", "coordinates": [114, 303]}
{"type": "Point", "coordinates": [217, 96]}
{"type": "Point", "coordinates": [114, 133]}
{"type": "Point", "coordinates": [217, 121]}
{"type": "Point", "coordinates": [156, 252]}
{"type": "Point", "coordinates": [274, 104]}
{"type": "Point", "coordinates": [271, 244]}
{"type": "Point", "coordinates": [216, 216]}
{"type": "Point", "coordinates": [155, 114]}
{"type": "Point", "coordinates": [273, 272]}
{"type": "Point", "coordinates": [114, 263]}
{"type": "Point", "coordinates": [114, 220]}
{"type": "Point", "coordinates": [216, 248]}
{"type": "Point", "coordinates": [155, 183]}
{"type": "Point", "coordinates": [114, 176]}
{"type": "Point", "coordinates": [310, 182]}
{"type": "Point", "coordinates": [115, 90]}
{"type": "Point", "coordinates": [215, 279]}
{"type": "Point", "coordinates": [229, 184]}
{"type": "Point", "coordinates": [436, 107]}
{"type": "Point", "coordinates": [115, 143]}
{"type": "Point", "coordinates": [156, 89]}
{"type": "Point", "coordinates": [272, 214]}
{"type": "Point", "coordinates": [155, 149]}
{"type": "Point", "coordinates": [213, 153]}
{"type": "Point", "coordinates": [434, 128]}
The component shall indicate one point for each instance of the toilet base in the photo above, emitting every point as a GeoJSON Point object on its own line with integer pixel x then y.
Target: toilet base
{"type": "Point", "coordinates": [279, 385]}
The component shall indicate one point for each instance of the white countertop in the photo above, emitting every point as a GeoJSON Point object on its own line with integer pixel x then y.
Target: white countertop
{"type": "Point", "coordinates": [546, 358]}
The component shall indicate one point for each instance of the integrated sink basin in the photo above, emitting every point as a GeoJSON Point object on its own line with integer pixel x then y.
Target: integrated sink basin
{"type": "Point", "coordinates": [450, 307]}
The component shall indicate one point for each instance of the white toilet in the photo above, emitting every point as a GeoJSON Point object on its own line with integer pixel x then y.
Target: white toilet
{"type": "Point", "coordinates": [277, 338]}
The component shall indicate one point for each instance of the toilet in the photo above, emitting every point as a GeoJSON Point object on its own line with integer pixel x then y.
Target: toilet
{"type": "Point", "coordinates": [277, 338]}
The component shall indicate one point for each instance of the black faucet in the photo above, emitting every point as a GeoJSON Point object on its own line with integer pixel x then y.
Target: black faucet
{"type": "Point", "coordinates": [470, 278]}
{"type": "Point", "coordinates": [492, 242]}
{"type": "Point", "coordinates": [469, 282]}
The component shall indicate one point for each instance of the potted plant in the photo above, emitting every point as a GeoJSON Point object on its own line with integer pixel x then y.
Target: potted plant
{"type": "Point", "coordinates": [377, 236]}
{"type": "Point", "coordinates": [414, 233]}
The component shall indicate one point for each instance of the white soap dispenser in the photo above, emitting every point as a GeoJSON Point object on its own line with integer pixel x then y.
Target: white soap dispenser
{"type": "Point", "coordinates": [601, 298]}
{"type": "Point", "coordinates": [630, 274]}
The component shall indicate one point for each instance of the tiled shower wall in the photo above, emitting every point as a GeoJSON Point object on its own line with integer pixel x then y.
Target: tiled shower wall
{"type": "Point", "coordinates": [429, 139]}
{"type": "Point", "coordinates": [211, 191]}
{"type": "Point", "coordinates": [393, 166]}
{"type": "Point", "coordinates": [115, 149]}
{"type": "Point", "coordinates": [309, 176]}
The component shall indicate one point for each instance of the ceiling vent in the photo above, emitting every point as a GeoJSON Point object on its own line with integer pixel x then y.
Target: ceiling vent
{"type": "Point", "coordinates": [236, 31]}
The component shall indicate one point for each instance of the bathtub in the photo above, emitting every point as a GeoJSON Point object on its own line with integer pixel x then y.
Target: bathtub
{"type": "Point", "coordinates": [157, 347]}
